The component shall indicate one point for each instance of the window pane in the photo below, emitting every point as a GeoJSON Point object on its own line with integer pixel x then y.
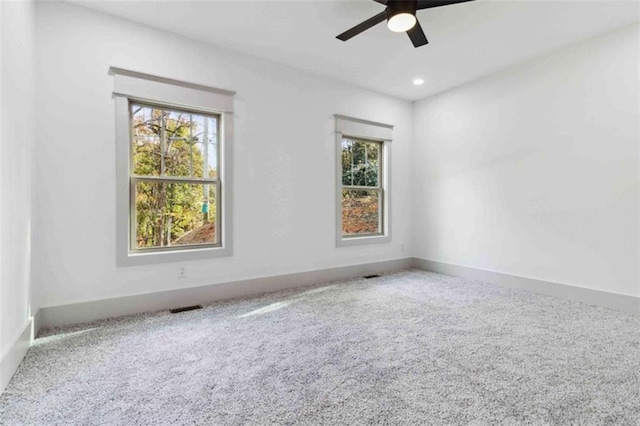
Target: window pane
{"type": "Point", "coordinates": [347, 159]}
{"type": "Point", "coordinates": [210, 137]}
{"type": "Point", "coordinates": [360, 163]}
{"type": "Point", "coordinates": [360, 212]}
{"type": "Point", "coordinates": [145, 126]}
{"type": "Point", "coordinates": [179, 143]}
{"type": "Point", "coordinates": [175, 214]}
{"type": "Point", "coordinates": [186, 154]}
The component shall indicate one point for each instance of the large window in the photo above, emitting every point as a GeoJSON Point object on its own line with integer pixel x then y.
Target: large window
{"type": "Point", "coordinates": [173, 144]}
{"type": "Point", "coordinates": [363, 181]}
{"type": "Point", "coordinates": [174, 178]}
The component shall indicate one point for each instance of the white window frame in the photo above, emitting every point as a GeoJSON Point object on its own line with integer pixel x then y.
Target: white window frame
{"type": "Point", "coordinates": [365, 131]}
{"type": "Point", "coordinates": [132, 87]}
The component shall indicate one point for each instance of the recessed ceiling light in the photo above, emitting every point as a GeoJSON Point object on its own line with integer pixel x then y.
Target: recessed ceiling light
{"type": "Point", "coordinates": [418, 81]}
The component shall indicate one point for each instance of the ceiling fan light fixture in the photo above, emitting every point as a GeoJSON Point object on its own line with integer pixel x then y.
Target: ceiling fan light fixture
{"type": "Point", "coordinates": [401, 22]}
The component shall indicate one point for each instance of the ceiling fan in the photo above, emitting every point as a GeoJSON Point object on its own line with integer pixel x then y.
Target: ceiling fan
{"type": "Point", "coordinates": [401, 17]}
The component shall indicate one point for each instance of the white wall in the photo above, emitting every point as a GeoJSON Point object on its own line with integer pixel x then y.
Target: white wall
{"type": "Point", "coordinates": [16, 135]}
{"type": "Point", "coordinates": [284, 179]}
{"type": "Point", "coordinates": [534, 171]}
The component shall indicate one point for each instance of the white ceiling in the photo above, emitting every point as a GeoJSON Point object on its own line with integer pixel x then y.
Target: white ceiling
{"type": "Point", "coordinates": [467, 40]}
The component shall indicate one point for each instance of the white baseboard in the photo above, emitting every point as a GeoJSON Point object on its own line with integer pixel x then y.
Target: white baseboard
{"type": "Point", "coordinates": [620, 302]}
{"type": "Point", "coordinates": [37, 323]}
{"type": "Point", "coordinates": [76, 313]}
{"type": "Point", "coordinates": [13, 355]}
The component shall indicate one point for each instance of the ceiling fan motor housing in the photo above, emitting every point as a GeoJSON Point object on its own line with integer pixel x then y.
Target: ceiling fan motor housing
{"type": "Point", "coordinates": [399, 6]}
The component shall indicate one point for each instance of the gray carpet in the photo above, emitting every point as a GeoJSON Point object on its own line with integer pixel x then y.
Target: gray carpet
{"type": "Point", "coordinates": [406, 348]}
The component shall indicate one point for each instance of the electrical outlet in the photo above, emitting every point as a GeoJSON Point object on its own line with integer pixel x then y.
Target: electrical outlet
{"type": "Point", "coordinates": [182, 272]}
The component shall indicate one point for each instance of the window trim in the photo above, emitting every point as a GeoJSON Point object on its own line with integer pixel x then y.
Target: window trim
{"type": "Point", "coordinates": [365, 131]}
{"type": "Point", "coordinates": [131, 86]}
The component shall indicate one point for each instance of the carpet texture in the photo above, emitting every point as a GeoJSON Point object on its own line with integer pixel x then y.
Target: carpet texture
{"type": "Point", "coordinates": [407, 348]}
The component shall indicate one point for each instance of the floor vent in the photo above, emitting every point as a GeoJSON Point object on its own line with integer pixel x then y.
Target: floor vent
{"type": "Point", "coordinates": [367, 277]}
{"type": "Point", "coordinates": [184, 309]}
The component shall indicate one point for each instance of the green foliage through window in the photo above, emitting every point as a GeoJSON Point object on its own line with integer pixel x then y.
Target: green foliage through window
{"type": "Point", "coordinates": [360, 163]}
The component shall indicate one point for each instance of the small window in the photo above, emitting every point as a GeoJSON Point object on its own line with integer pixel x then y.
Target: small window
{"type": "Point", "coordinates": [174, 178]}
{"type": "Point", "coordinates": [362, 192]}
{"type": "Point", "coordinates": [363, 181]}
{"type": "Point", "coordinates": [173, 169]}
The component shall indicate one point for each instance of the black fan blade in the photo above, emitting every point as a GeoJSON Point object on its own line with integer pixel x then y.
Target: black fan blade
{"type": "Point", "coordinates": [417, 36]}
{"type": "Point", "coordinates": [428, 4]}
{"type": "Point", "coordinates": [374, 20]}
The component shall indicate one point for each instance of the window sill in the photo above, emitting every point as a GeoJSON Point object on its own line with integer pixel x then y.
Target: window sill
{"type": "Point", "coordinates": [142, 258]}
{"type": "Point", "coordinates": [359, 241]}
